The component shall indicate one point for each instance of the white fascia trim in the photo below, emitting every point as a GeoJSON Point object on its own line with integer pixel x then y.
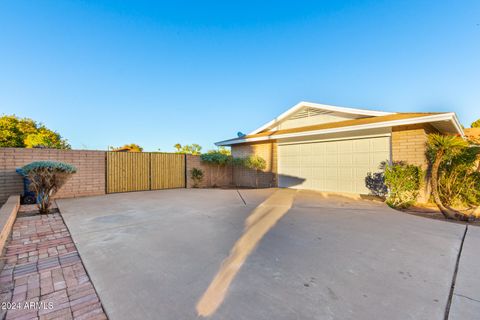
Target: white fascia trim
{"type": "Point", "coordinates": [458, 125]}
{"type": "Point", "coordinates": [438, 117]}
{"type": "Point", "coordinates": [303, 104]}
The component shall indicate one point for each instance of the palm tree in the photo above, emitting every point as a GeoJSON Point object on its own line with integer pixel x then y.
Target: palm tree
{"type": "Point", "coordinates": [439, 149]}
{"type": "Point", "coordinates": [178, 146]}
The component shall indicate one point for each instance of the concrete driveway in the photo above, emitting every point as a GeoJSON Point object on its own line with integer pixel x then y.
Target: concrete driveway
{"type": "Point", "coordinates": [151, 255]}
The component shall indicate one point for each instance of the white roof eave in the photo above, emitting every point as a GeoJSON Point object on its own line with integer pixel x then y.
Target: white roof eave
{"type": "Point", "coordinates": [438, 117]}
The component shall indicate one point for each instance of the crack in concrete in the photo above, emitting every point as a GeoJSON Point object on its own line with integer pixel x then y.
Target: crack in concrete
{"type": "Point", "coordinates": [244, 202]}
{"type": "Point", "coordinates": [466, 297]}
{"type": "Point", "coordinates": [454, 278]}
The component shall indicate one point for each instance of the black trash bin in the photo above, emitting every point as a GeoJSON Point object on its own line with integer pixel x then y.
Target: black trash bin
{"type": "Point", "coordinates": [28, 196]}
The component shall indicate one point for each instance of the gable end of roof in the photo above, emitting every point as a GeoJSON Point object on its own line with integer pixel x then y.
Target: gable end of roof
{"type": "Point", "coordinates": [305, 104]}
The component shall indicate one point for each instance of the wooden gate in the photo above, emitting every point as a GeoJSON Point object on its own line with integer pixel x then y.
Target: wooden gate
{"type": "Point", "coordinates": [167, 171]}
{"type": "Point", "coordinates": [139, 171]}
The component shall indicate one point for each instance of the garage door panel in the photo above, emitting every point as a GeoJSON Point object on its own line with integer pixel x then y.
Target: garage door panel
{"type": "Point", "coordinates": [331, 159]}
{"type": "Point", "coordinates": [335, 166]}
{"type": "Point", "coordinates": [318, 184]}
{"type": "Point", "coordinates": [345, 185]}
{"type": "Point", "coordinates": [345, 147]}
{"type": "Point", "coordinates": [318, 148]}
{"type": "Point", "coordinates": [360, 187]}
{"type": "Point", "coordinates": [345, 159]}
{"type": "Point", "coordinates": [346, 173]}
{"type": "Point", "coordinates": [305, 172]}
{"type": "Point", "coordinates": [361, 159]}
{"type": "Point", "coordinates": [331, 185]}
{"type": "Point", "coordinates": [331, 173]}
{"type": "Point", "coordinates": [361, 145]}
{"type": "Point", "coordinates": [379, 145]}
{"type": "Point", "coordinates": [318, 173]}
{"type": "Point", "coordinates": [378, 158]}
{"type": "Point", "coordinates": [331, 147]}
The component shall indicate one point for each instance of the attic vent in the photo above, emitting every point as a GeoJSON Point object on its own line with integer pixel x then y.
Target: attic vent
{"type": "Point", "coordinates": [308, 112]}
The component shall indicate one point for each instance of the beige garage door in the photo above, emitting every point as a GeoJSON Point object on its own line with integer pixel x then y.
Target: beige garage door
{"type": "Point", "coordinates": [335, 166]}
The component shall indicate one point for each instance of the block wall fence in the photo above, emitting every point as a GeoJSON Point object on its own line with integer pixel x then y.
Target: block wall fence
{"type": "Point", "coordinates": [90, 178]}
{"type": "Point", "coordinates": [212, 176]}
{"type": "Point", "coordinates": [88, 181]}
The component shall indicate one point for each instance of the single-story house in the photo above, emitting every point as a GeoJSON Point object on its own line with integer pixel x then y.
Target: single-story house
{"type": "Point", "coordinates": [329, 148]}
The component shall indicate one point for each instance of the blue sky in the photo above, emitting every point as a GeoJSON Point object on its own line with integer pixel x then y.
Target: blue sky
{"type": "Point", "coordinates": [106, 73]}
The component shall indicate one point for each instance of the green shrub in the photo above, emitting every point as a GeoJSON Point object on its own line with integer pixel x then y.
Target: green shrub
{"type": "Point", "coordinates": [218, 160]}
{"type": "Point", "coordinates": [46, 177]}
{"type": "Point", "coordinates": [197, 176]}
{"type": "Point", "coordinates": [256, 163]}
{"type": "Point", "coordinates": [222, 150]}
{"type": "Point", "coordinates": [459, 180]}
{"type": "Point", "coordinates": [403, 182]}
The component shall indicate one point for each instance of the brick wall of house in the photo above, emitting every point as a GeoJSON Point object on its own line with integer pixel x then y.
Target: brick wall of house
{"type": "Point", "coordinates": [409, 145]}
{"type": "Point", "coordinates": [245, 177]}
{"type": "Point", "coordinates": [89, 179]}
{"type": "Point", "coordinates": [212, 176]}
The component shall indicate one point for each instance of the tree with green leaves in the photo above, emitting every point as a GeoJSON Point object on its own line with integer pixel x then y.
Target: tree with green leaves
{"type": "Point", "coordinates": [18, 132]}
{"type": "Point", "coordinates": [476, 124]}
{"type": "Point", "coordinates": [132, 147]}
{"type": "Point", "coordinates": [221, 150]}
{"type": "Point", "coordinates": [194, 149]}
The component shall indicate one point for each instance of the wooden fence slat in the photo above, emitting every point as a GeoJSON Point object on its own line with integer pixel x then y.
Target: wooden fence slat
{"type": "Point", "coordinates": [167, 171]}
{"type": "Point", "coordinates": [138, 171]}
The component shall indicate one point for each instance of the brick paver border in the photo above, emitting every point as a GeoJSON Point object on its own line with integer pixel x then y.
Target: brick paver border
{"type": "Point", "coordinates": [43, 276]}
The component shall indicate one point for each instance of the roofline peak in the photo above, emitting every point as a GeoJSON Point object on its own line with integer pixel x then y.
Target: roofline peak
{"type": "Point", "coordinates": [303, 104]}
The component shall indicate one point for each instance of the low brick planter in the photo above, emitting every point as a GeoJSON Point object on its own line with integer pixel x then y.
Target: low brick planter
{"type": "Point", "coordinates": [8, 213]}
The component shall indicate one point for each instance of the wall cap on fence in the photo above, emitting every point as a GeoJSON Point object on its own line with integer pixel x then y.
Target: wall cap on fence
{"type": "Point", "coordinates": [50, 149]}
{"type": "Point", "coordinates": [8, 213]}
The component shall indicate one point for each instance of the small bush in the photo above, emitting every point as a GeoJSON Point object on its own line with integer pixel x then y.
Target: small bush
{"type": "Point", "coordinates": [459, 180]}
{"type": "Point", "coordinates": [256, 163]}
{"type": "Point", "coordinates": [375, 181]}
{"type": "Point", "coordinates": [239, 162]}
{"type": "Point", "coordinates": [219, 160]}
{"type": "Point", "coordinates": [403, 182]}
{"type": "Point", "coordinates": [216, 158]}
{"type": "Point", "coordinates": [46, 177]}
{"type": "Point", "coordinates": [197, 176]}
